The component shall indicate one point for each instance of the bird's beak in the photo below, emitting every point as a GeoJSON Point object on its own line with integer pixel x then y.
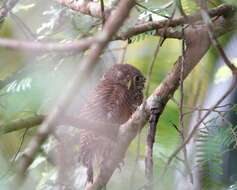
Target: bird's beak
{"type": "Point", "coordinates": [129, 84]}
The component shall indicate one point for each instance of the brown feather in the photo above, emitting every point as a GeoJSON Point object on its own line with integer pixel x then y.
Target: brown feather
{"type": "Point", "coordinates": [112, 102]}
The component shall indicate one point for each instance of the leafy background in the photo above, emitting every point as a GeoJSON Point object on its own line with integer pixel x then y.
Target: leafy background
{"type": "Point", "coordinates": [31, 82]}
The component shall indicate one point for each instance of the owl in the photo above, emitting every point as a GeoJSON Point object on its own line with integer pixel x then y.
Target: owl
{"type": "Point", "coordinates": [115, 98]}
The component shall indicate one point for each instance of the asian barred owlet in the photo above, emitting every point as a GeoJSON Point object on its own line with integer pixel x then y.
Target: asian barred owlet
{"type": "Point", "coordinates": [116, 97]}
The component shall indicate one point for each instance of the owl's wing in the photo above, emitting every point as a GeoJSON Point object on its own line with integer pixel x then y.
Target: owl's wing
{"type": "Point", "coordinates": [107, 105]}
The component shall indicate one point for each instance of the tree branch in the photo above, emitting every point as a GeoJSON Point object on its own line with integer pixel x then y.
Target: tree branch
{"type": "Point", "coordinates": [82, 73]}
{"type": "Point", "coordinates": [6, 8]}
{"type": "Point", "coordinates": [75, 46]}
{"type": "Point", "coordinates": [73, 121]}
{"type": "Point", "coordinates": [196, 126]}
{"type": "Point", "coordinates": [197, 43]}
{"type": "Point", "coordinates": [148, 26]}
{"type": "Point", "coordinates": [87, 7]}
{"type": "Point", "coordinates": [85, 43]}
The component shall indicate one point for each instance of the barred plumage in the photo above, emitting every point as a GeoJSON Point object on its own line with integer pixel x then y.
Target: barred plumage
{"type": "Point", "coordinates": [115, 98]}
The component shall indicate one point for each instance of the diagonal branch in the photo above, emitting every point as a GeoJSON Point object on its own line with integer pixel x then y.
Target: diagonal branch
{"type": "Point", "coordinates": [151, 25]}
{"type": "Point", "coordinates": [207, 20]}
{"type": "Point", "coordinates": [82, 73]}
{"type": "Point", "coordinates": [85, 43]}
{"type": "Point", "coordinates": [197, 45]}
{"type": "Point", "coordinates": [196, 126]}
{"type": "Point", "coordinates": [6, 8]}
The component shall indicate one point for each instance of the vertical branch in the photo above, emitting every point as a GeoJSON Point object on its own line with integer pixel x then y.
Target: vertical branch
{"type": "Point", "coordinates": [154, 117]}
{"type": "Point", "coordinates": [21, 144]}
{"type": "Point", "coordinates": [150, 142]}
{"type": "Point", "coordinates": [197, 42]}
{"type": "Point", "coordinates": [124, 51]}
{"type": "Point", "coordinates": [150, 67]}
{"type": "Point", "coordinates": [102, 7]}
{"type": "Point", "coordinates": [152, 122]}
{"type": "Point", "coordinates": [132, 178]}
{"type": "Point", "coordinates": [181, 115]}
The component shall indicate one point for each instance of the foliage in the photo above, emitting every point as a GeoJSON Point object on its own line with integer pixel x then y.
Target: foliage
{"type": "Point", "coordinates": [31, 83]}
{"type": "Point", "coordinates": [212, 143]}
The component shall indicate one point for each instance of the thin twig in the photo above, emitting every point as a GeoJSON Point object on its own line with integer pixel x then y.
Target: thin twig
{"type": "Point", "coordinates": [207, 20]}
{"type": "Point", "coordinates": [198, 44]}
{"type": "Point", "coordinates": [8, 5]}
{"type": "Point", "coordinates": [181, 115]}
{"type": "Point", "coordinates": [192, 133]}
{"type": "Point", "coordinates": [20, 146]}
{"type": "Point", "coordinates": [102, 7]}
{"type": "Point", "coordinates": [153, 117]}
{"type": "Point", "coordinates": [124, 51]}
{"type": "Point", "coordinates": [85, 43]}
{"type": "Point", "coordinates": [15, 155]}
{"type": "Point", "coordinates": [81, 74]}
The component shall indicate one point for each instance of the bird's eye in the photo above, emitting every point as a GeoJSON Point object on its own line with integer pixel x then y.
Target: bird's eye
{"type": "Point", "coordinates": [136, 78]}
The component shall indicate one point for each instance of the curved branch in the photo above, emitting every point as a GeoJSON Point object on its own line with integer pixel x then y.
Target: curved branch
{"type": "Point", "coordinates": [197, 45]}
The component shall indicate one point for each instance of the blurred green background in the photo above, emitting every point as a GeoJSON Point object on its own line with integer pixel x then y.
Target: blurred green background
{"type": "Point", "coordinates": [31, 82]}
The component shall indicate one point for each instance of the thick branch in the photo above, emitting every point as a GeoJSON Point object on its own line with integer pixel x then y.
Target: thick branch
{"type": "Point", "coordinates": [141, 28]}
{"type": "Point", "coordinates": [73, 121]}
{"type": "Point", "coordinates": [197, 45]}
{"type": "Point", "coordinates": [82, 73]}
{"type": "Point", "coordinates": [84, 44]}
{"type": "Point", "coordinates": [21, 124]}
{"type": "Point", "coordinates": [47, 47]}
{"type": "Point", "coordinates": [197, 41]}
{"type": "Point", "coordinates": [196, 126]}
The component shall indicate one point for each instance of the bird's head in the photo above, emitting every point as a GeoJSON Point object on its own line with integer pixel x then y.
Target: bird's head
{"type": "Point", "coordinates": [130, 78]}
{"type": "Point", "coordinates": [127, 76]}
